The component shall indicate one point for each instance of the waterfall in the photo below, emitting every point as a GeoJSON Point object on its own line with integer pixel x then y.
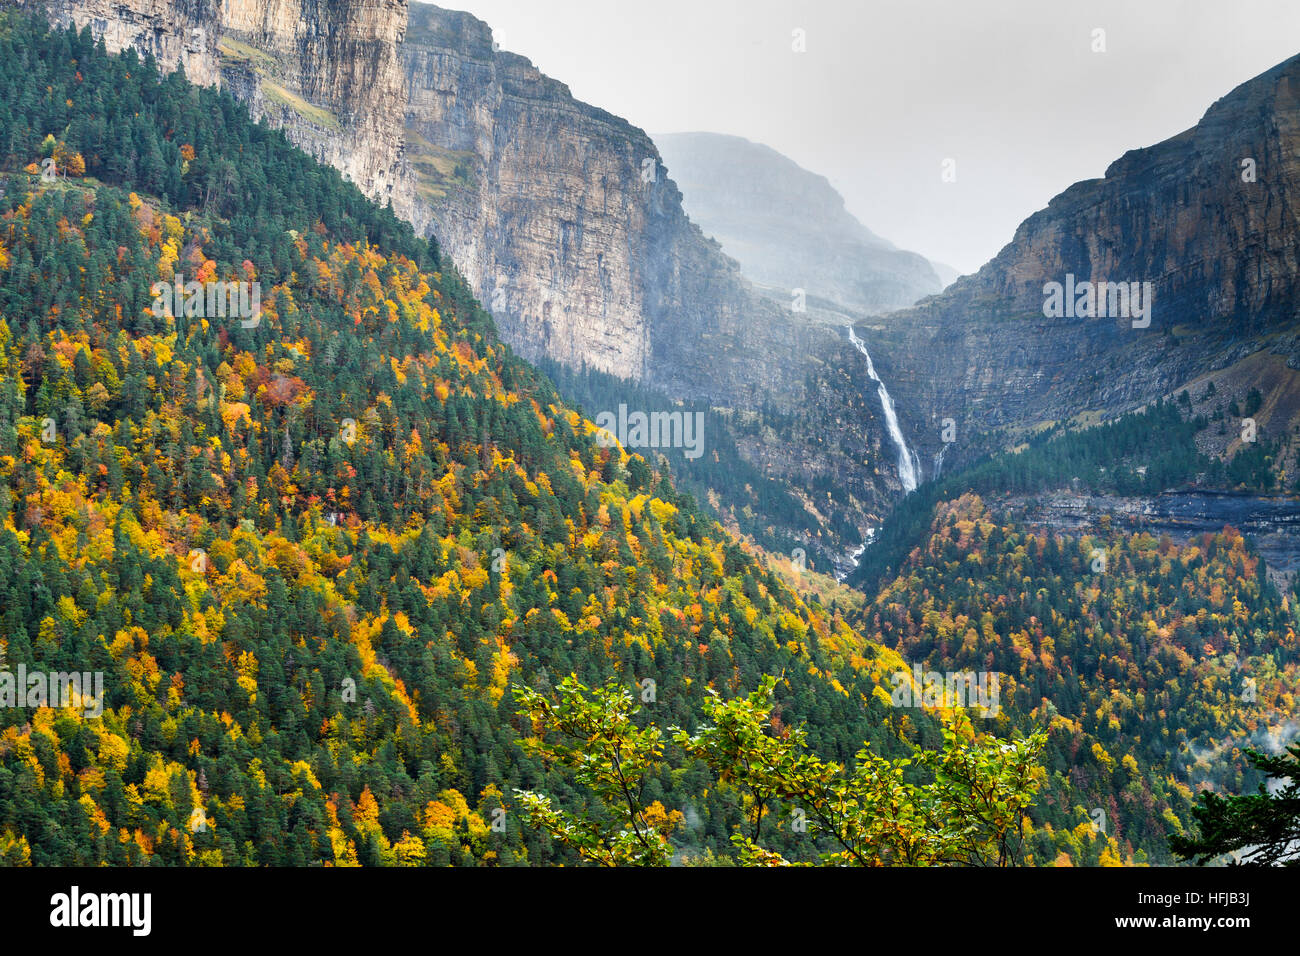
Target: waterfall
{"type": "Point", "coordinates": [938, 460]}
{"type": "Point", "coordinates": [909, 466]}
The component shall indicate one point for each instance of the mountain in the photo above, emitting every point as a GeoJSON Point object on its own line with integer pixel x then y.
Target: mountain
{"type": "Point", "coordinates": [561, 218]}
{"type": "Point", "coordinates": [565, 223]}
{"type": "Point", "coordinates": [311, 548]}
{"type": "Point", "coordinates": [1100, 463]}
{"type": "Point", "coordinates": [302, 550]}
{"type": "Point", "coordinates": [286, 563]}
{"type": "Point", "coordinates": [788, 228]}
{"type": "Point", "coordinates": [1209, 218]}
{"type": "Point", "coordinates": [1153, 663]}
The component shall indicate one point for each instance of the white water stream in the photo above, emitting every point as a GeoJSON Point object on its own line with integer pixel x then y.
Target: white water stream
{"type": "Point", "coordinates": [938, 461]}
{"type": "Point", "coordinates": [909, 466]}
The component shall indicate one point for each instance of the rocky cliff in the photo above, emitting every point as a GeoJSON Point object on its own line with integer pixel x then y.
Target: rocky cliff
{"type": "Point", "coordinates": [570, 229]}
{"type": "Point", "coordinates": [561, 215]}
{"type": "Point", "coordinates": [566, 224]}
{"type": "Point", "coordinates": [1273, 522]}
{"type": "Point", "coordinates": [564, 221]}
{"type": "Point", "coordinates": [537, 197]}
{"type": "Point", "coordinates": [788, 228]}
{"type": "Point", "coordinates": [326, 71]}
{"type": "Point", "coordinates": [176, 34]}
{"type": "Point", "coordinates": [1209, 218]}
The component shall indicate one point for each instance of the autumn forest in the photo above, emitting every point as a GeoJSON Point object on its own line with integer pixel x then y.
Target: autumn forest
{"type": "Point", "coordinates": [365, 590]}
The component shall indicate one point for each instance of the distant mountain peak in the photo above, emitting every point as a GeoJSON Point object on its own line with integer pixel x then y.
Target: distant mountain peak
{"type": "Point", "coordinates": [789, 227]}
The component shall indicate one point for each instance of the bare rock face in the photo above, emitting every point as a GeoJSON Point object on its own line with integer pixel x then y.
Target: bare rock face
{"type": "Point", "coordinates": [563, 219]}
{"type": "Point", "coordinates": [538, 198]}
{"type": "Point", "coordinates": [325, 71]}
{"type": "Point", "coordinates": [180, 34]}
{"type": "Point", "coordinates": [1208, 217]}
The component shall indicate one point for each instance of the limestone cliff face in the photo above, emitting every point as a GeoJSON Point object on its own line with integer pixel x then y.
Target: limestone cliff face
{"type": "Point", "coordinates": [326, 71]}
{"type": "Point", "coordinates": [1220, 251]}
{"type": "Point", "coordinates": [175, 33]}
{"type": "Point", "coordinates": [564, 221]}
{"type": "Point", "coordinates": [561, 216]}
{"type": "Point", "coordinates": [538, 198]}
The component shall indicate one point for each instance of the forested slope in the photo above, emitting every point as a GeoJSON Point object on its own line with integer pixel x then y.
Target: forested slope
{"type": "Point", "coordinates": [310, 550]}
{"type": "Point", "coordinates": [1151, 664]}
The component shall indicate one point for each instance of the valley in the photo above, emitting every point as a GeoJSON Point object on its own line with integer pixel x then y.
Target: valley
{"type": "Point", "coordinates": [527, 423]}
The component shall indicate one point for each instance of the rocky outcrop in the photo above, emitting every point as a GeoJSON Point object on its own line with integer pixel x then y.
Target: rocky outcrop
{"type": "Point", "coordinates": [1273, 522]}
{"type": "Point", "coordinates": [560, 215]}
{"type": "Point", "coordinates": [325, 71]}
{"type": "Point", "coordinates": [176, 34]}
{"type": "Point", "coordinates": [1209, 218]}
{"type": "Point", "coordinates": [328, 73]}
{"type": "Point", "coordinates": [538, 198]}
{"type": "Point", "coordinates": [788, 228]}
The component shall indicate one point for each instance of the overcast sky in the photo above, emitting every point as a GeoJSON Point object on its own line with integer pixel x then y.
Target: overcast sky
{"type": "Point", "coordinates": [889, 89]}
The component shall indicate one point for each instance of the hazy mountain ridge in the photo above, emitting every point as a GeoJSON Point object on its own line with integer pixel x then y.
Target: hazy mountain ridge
{"type": "Point", "coordinates": [788, 227]}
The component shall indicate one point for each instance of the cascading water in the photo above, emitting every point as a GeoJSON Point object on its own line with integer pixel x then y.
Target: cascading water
{"type": "Point", "coordinates": [909, 466]}
{"type": "Point", "coordinates": [938, 460]}
{"type": "Point", "coordinates": [856, 556]}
